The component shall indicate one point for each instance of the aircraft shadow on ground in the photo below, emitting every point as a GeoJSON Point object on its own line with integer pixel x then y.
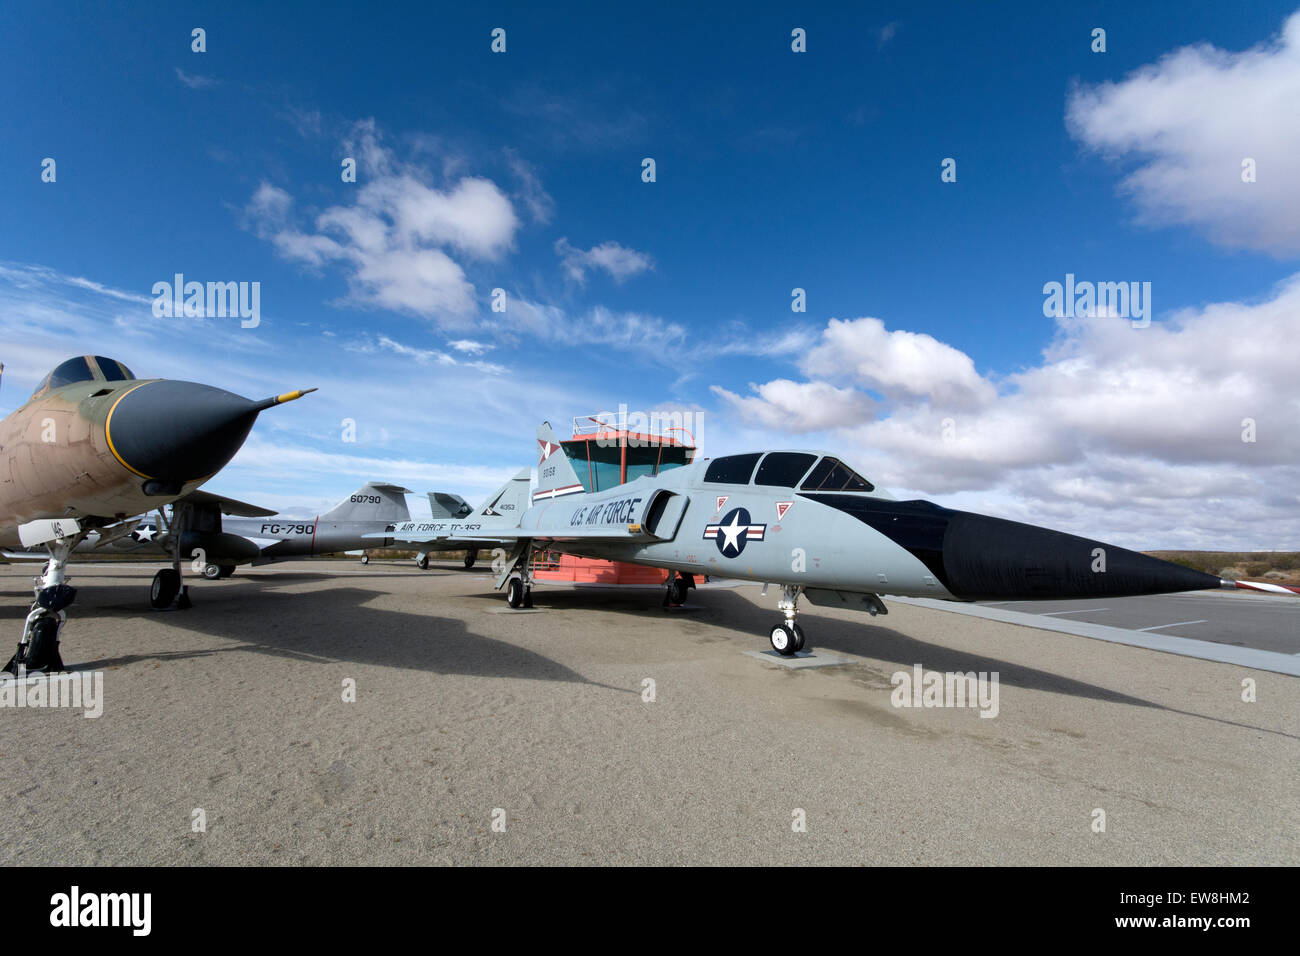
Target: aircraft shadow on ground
{"type": "Point", "coordinates": [726, 608]}
{"type": "Point", "coordinates": [331, 626]}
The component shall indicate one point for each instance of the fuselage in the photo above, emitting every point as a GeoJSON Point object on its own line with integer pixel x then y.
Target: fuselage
{"type": "Point", "coordinates": [804, 518]}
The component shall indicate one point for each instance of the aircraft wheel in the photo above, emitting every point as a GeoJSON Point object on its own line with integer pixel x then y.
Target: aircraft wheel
{"type": "Point", "coordinates": [783, 640]}
{"type": "Point", "coordinates": [211, 572]}
{"type": "Point", "coordinates": [470, 557]}
{"type": "Point", "coordinates": [43, 648]}
{"type": "Point", "coordinates": [422, 562]}
{"type": "Point", "coordinates": [227, 570]}
{"type": "Point", "coordinates": [365, 559]}
{"type": "Point", "coordinates": [166, 585]}
{"type": "Point", "coordinates": [515, 593]}
{"type": "Point", "coordinates": [798, 638]}
{"type": "Point", "coordinates": [678, 592]}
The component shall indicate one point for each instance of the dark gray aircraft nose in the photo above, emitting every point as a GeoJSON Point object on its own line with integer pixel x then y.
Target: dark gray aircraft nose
{"type": "Point", "coordinates": [978, 558]}
{"type": "Point", "coordinates": [990, 559]}
{"type": "Point", "coordinates": [179, 431]}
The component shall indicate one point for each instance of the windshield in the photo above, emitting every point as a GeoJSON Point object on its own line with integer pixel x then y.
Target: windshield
{"type": "Point", "coordinates": [80, 369]}
{"type": "Point", "coordinates": [831, 474]}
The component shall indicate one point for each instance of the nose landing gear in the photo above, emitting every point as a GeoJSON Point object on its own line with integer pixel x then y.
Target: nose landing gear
{"type": "Point", "coordinates": [788, 638]}
{"type": "Point", "coordinates": [38, 649]}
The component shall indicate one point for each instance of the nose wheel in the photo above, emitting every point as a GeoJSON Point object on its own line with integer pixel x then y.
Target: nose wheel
{"type": "Point", "coordinates": [788, 638]}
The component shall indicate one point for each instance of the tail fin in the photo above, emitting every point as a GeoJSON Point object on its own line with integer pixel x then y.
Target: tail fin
{"type": "Point", "coordinates": [445, 505]}
{"type": "Point", "coordinates": [555, 475]}
{"type": "Point", "coordinates": [507, 505]}
{"type": "Point", "coordinates": [373, 501]}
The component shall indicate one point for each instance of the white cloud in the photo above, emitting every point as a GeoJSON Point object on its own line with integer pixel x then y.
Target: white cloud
{"type": "Point", "coordinates": [898, 364]}
{"type": "Point", "coordinates": [799, 407]}
{"type": "Point", "coordinates": [1134, 435]}
{"type": "Point", "coordinates": [195, 81]}
{"type": "Point", "coordinates": [619, 261]}
{"type": "Point", "coordinates": [402, 242]}
{"type": "Point", "coordinates": [470, 347]}
{"type": "Point", "coordinates": [1190, 119]}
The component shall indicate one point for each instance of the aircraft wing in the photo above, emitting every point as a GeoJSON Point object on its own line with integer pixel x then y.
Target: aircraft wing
{"type": "Point", "coordinates": [228, 506]}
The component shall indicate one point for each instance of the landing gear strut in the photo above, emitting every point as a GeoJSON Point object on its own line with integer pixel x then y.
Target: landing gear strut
{"type": "Point", "coordinates": [39, 647]}
{"type": "Point", "coordinates": [788, 638]}
{"type": "Point", "coordinates": [168, 585]}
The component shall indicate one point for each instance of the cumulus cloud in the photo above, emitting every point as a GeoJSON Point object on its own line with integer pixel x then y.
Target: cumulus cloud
{"type": "Point", "coordinates": [799, 407]}
{"type": "Point", "coordinates": [619, 261]}
{"type": "Point", "coordinates": [402, 243]}
{"type": "Point", "coordinates": [898, 364]}
{"type": "Point", "coordinates": [1117, 427]}
{"type": "Point", "coordinates": [1190, 120]}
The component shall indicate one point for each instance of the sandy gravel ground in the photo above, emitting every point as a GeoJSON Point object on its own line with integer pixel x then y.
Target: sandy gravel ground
{"type": "Point", "coordinates": [462, 709]}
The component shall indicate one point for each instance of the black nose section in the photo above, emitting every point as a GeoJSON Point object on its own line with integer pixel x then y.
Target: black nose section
{"type": "Point", "coordinates": [978, 558]}
{"type": "Point", "coordinates": [178, 431]}
{"type": "Point", "coordinates": [989, 559]}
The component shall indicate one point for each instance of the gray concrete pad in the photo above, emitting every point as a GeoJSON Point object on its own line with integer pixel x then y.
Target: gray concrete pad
{"type": "Point", "coordinates": [608, 731]}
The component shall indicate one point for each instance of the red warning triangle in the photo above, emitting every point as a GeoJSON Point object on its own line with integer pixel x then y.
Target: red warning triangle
{"type": "Point", "coordinates": [781, 508]}
{"type": "Point", "coordinates": [548, 449]}
{"type": "Point", "coordinates": [722, 500]}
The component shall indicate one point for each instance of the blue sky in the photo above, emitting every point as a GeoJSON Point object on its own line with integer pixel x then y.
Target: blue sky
{"type": "Point", "coordinates": [775, 170]}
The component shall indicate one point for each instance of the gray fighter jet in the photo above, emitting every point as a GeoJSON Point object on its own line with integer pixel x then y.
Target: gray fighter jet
{"type": "Point", "coordinates": [806, 521]}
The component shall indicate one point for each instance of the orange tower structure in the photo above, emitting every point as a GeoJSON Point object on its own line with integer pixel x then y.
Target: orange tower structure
{"type": "Point", "coordinates": [605, 454]}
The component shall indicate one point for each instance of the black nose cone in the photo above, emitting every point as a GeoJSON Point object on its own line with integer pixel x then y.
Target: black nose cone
{"type": "Point", "coordinates": [178, 431]}
{"type": "Point", "coordinates": [990, 559]}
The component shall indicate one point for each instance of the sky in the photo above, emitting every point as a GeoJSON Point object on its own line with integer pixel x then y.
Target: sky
{"type": "Point", "coordinates": [922, 172]}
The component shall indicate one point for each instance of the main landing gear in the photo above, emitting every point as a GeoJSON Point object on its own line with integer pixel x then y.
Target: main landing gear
{"type": "Point", "coordinates": [787, 638]}
{"type": "Point", "coordinates": [516, 574]}
{"type": "Point", "coordinates": [470, 557]}
{"type": "Point", "coordinates": [422, 561]}
{"type": "Point", "coordinates": [168, 585]}
{"type": "Point", "coordinates": [38, 650]}
{"type": "Point", "coordinates": [677, 589]}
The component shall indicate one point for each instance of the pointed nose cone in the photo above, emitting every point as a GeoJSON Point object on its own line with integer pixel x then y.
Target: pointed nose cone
{"type": "Point", "coordinates": [178, 432]}
{"type": "Point", "coordinates": [989, 559]}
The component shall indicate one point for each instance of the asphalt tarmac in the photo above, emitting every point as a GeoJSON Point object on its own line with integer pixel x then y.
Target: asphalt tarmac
{"type": "Point", "coordinates": [602, 729]}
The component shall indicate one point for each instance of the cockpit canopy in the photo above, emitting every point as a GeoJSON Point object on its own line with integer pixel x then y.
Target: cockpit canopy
{"type": "Point", "coordinates": [85, 368]}
{"type": "Point", "coordinates": [784, 469]}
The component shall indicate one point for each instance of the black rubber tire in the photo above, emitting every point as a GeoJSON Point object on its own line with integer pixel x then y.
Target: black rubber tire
{"type": "Point", "coordinates": [365, 559]}
{"type": "Point", "coordinates": [678, 592]}
{"type": "Point", "coordinates": [166, 585]}
{"type": "Point", "coordinates": [470, 557]}
{"type": "Point", "coordinates": [422, 562]}
{"type": "Point", "coordinates": [515, 593]}
{"type": "Point", "coordinates": [227, 570]}
{"type": "Point", "coordinates": [798, 638]}
{"type": "Point", "coordinates": [43, 648]}
{"type": "Point", "coordinates": [783, 640]}
{"type": "Point", "coordinates": [211, 572]}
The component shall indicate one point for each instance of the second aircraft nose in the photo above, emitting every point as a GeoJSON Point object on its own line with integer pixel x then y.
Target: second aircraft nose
{"type": "Point", "coordinates": [177, 432]}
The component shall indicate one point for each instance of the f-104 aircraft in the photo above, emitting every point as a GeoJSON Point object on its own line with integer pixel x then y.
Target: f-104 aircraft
{"type": "Point", "coordinates": [805, 520]}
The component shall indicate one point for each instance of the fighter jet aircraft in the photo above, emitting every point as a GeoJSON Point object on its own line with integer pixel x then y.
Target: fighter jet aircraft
{"type": "Point", "coordinates": [808, 522]}
{"type": "Point", "coordinates": [95, 445]}
{"type": "Point", "coordinates": [454, 525]}
{"type": "Point", "coordinates": [255, 535]}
